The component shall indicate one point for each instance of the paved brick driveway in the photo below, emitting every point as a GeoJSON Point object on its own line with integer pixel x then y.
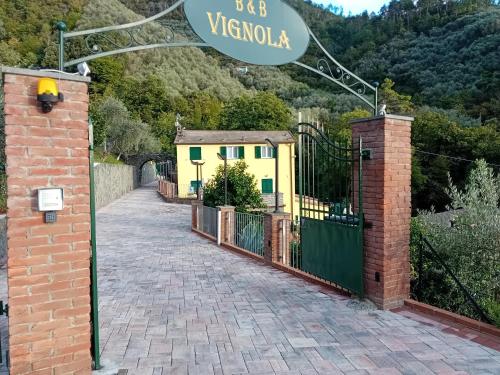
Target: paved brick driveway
{"type": "Point", "coordinates": [173, 303]}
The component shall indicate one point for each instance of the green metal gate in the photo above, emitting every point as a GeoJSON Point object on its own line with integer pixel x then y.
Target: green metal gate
{"type": "Point", "coordinates": [331, 208]}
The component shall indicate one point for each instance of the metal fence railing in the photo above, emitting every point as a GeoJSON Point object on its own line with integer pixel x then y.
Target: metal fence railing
{"type": "Point", "coordinates": [207, 220]}
{"type": "Point", "coordinates": [289, 241]}
{"type": "Point", "coordinates": [249, 232]}
{"type": "Point", "coordinates": [432, 268]}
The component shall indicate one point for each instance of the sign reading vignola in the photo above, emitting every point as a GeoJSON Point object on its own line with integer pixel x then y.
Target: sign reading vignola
{"type": "Point", "coordinates": [262, 32]}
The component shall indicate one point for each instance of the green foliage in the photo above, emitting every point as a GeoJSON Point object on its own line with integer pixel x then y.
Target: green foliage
{"type": "Point", "coordinates": [438, 133]}
{"type": "Point", "coordinates": [104, 73]}
{"type": "Point", "coordinates": [493, 311]}
{"type": "Point", "coordinates": [441, 58]}
{"type": "Point", "coordinates": [203, 112]}
{"type": "Point", "coordinates": [450, 65]}
{"type": "Point", "coordinates": [442, 53]}
{"type": "Point", "coordinates": [124, 135]}
{"type": "Point", "coordinates": [396, 103]}
{"type": "Point", "coordinates": [341, 127]}
{"type": "Point", "coordinates": [418, 177]}
{"type": "Point", "coordinates": [268, 78]}
{"type": "Point", "coordinates": [264, 111]}
{"type": "Point", "coordinates": [27, 28]}
{"type": "Point", "coordinates": [469, 246]}
{"type": "Point", "coordinates": [149, 100]}
{"type": "Point", "coordinates": [242, 188]}
{"type": "Point", "coordinates": [102, 157]}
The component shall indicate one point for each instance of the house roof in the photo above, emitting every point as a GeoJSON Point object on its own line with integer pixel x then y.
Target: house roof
{"type": "Point", "coordinates": [201, 137]}
{"type": "Point", "coordinates": [445, 218]}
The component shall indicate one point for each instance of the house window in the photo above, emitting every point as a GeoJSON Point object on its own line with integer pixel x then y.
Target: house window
{"type": "Point", "coordinates": [194, 153]}
{"type": "Point", "coordinates": [264, 152]}
{"type": "Point", "coordinates": [194, 186]}
{"type": "Point", "coordinates": [233, 152]}
{"type": "Point", "coordinates": [267, 186]}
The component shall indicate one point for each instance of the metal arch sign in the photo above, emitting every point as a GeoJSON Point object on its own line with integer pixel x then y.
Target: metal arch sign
{"type": "Point", "coordinates": [261, 32]}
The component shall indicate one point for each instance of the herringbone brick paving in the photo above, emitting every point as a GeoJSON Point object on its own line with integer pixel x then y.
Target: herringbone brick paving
{"type": "Point", "coordinates": [174, 303]}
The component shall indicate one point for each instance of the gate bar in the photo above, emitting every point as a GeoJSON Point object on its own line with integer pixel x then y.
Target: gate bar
{"type": "Point", "coordinates": [94, 303]}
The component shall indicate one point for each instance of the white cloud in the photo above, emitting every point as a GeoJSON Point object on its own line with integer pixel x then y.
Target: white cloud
{"type": "Point", "coordinates": [355, 6]}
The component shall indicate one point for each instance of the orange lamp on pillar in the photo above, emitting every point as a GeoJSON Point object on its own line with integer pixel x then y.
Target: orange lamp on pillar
{"type": "Point", "coordinates": [48, 94]}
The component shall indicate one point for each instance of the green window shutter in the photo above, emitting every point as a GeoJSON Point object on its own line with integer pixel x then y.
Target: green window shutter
{"type": "Point", "coordinates": [194, 153]}
{"type": "Point", "coordinates": [241, 152]}
{"type": "Point", "coordinates": [223, 151]}
{"type": "Point", "coordinates": [274, 153]}
{"type": "Point", "coordinates": [257, 152]}
{"type": "Point", "coordinates": [267, 186]}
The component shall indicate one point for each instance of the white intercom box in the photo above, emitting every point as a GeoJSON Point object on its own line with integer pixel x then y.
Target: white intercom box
{"type": "Point", "coordinates": [50, 199]}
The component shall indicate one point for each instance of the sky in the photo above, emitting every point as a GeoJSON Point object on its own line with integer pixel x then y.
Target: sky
{"type": "Point", "coordinates": [355, 6]}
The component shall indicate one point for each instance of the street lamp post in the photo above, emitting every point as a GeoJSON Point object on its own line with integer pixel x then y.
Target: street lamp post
{"type": "Point", "coordinates": [225, 176]}
{"type": "Point", "coordinates": [276, 170]}
{"type": "Point", "coordinates": [198, 165]}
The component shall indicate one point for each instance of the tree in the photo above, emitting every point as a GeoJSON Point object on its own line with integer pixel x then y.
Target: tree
{"type": "Point", "coordinates": [105, 72]}
{"type": "Point", "coordinates": [26, 28]}
{"type": "Point", "coordinates": [242, 191]}
{"type": "Point", "coordinates": [341, 129]}
{"type": "Point", "coordinates": [124, 136]}
{"type": "Point", "coordinates": [203, 111]}
{"type": "Point", "coordinates": [439, 138]}
{"type": "Point", "coordinates": [264, 111]}
{"type": "Point", "coordinates": [469, 246]}
{"type": "Point", "coordinates": [396, 103]}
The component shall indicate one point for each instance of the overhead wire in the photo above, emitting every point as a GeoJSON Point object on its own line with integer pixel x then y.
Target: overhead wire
{"type": "Point", "coordinates": [454, 157]}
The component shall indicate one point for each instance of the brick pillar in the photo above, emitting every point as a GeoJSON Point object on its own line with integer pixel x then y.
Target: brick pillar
{"type": "Point", "coordinates": [195, 208]}
{"type": "Point", "coordinates": [272, 223]}
{"type": "Point", "coordinates": [227, 223]}
{"type": "Point", "coordinates": [48, 264]}
{"type": "Point", "coordinates": [387, 207]}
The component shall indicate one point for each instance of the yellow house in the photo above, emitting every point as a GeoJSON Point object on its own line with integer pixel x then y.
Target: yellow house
{"type": "Point", "coordinates": [202, 146]}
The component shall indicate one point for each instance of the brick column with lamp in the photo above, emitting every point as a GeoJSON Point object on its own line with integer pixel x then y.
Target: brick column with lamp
{"type": "Point", "coordinates": [48, 265]}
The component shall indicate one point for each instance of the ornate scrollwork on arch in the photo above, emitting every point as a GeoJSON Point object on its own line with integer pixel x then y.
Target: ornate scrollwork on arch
{"type": "Point", "coordinates": [152, 32]}
{"type": "Point", "coordinates": [160, 32]}
{"type": "Point", "coordinates": [331, 69]}
{"type": "Point", "coordinates": [341, 74]}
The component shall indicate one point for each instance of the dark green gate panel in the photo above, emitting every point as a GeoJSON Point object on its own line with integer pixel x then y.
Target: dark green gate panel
{"type": "Point", "coordinates": [331, 209]}
{"type": "Point", "coordinates": [333, 252]}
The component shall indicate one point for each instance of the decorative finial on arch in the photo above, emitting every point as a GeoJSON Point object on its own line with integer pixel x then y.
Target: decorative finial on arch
{"type": "Point", "coordinates": [382, 109]}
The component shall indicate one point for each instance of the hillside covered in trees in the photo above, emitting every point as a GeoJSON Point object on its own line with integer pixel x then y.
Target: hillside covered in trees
{"type": "Point", "coordinates": [436, 60]}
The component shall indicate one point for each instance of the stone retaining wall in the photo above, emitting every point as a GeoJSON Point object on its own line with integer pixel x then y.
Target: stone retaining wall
{"type": "Point", "coordinates": [112, 181]}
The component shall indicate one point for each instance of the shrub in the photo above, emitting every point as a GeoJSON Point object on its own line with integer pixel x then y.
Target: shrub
{"type": "Point", "coordinates": [242, 188]}
{"type": "Point", "coordinates": [469, 246]}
